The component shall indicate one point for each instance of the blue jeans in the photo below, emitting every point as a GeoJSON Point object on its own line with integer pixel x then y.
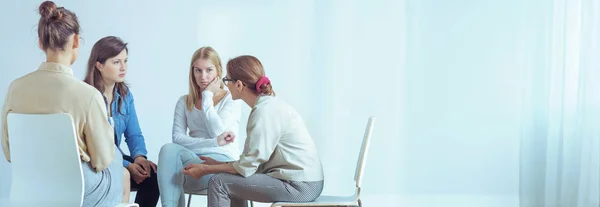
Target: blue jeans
{"type": "Point", "coordinates": [172, 183]}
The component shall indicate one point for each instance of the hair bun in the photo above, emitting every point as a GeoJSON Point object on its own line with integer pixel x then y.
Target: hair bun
{"type": "Point", "coordinates": [49, 11]}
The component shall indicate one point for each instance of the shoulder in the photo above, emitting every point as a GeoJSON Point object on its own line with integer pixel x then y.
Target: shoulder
{"type": "Point", "coordinates": [182, 99]}
{"type": "Point", "coordinates": [84, 88]}
{"type": "Point", "coordinates": [269, 106]}
{"type": "Point", "coordinates": [128, 97]}
{"type": "Point", "coordinates": [181, 103]}
{"type": "Point", "coordinates": [20, 81]}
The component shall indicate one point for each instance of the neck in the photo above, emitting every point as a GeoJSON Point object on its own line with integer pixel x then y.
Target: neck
{"type": "Point", "coordinates": [108, 88]}
{"type": "Point", "coordinates": [250, 99]}
{"type": "Point", "coordinates": [60, 57]}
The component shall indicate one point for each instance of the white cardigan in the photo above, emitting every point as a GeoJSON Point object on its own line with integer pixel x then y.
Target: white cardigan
{"type": "Point", "coordinates": [278, 144]}
{"type": "Point", "coordinates": [207, 124]}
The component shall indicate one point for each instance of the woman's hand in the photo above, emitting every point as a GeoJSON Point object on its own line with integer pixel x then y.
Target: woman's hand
{"type": "Point", "coordinates": [214, 86]}
{"type": "Point", "coordinates": [146, 164]}
{"type": "Point", "coordinates": [137, 173]}
{"type": "Point", "coordinates": [196, 170]}
{"type": "Point", "coordinates": [225, 138]}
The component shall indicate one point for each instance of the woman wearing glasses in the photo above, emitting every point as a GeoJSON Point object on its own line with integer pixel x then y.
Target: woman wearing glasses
{"type": "Point", "coordinates": [212, 118]}
{"type": "Point", "coordinates": [279, 161]}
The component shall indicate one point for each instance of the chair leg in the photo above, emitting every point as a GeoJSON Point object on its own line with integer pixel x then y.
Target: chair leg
{"type": "Point", "coordinates": [189, 200]}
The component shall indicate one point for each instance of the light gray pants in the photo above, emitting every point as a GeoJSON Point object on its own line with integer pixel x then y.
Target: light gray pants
{"type": "Point", "coordinates": [225, 190]}
{"type": "Point", "coordinates": [104, 188]}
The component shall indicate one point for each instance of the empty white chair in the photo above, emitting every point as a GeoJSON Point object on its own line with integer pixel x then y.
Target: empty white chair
{"type": "Point", "coordinates": [36, 179]}
{"type": "Point", "coordinates": [360, 168]}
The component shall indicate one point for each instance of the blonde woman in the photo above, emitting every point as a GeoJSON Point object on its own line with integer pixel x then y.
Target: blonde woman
{"type": "Point", "coordinates": [207, 112]}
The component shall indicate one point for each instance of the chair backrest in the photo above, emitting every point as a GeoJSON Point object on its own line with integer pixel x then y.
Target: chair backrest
{"type": "Point", "coordinates": [364, 151]}
{"type": "Point", "coordinates": [45, 160]}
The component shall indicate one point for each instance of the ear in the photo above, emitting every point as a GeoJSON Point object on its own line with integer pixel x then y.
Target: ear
{"type": "Point", "coordinates": [40, 44]}
{"type": "Point", "coordinates": [239, 85]}
{"type": "Point", "coordinates": [75, 41]}
{"type": "Point", "coordinates": [99, 66]}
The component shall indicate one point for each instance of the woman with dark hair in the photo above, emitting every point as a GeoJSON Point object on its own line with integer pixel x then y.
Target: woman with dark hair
{"type": "Point", "coordinates": [106, 70]}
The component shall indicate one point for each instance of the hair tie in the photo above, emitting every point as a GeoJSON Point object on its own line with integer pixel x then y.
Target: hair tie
{"type": "Point", "coordinates": [261, 81]}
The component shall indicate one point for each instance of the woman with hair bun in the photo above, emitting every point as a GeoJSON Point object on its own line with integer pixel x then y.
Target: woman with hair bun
{"type": "Point", "coordinates": [51, 89]}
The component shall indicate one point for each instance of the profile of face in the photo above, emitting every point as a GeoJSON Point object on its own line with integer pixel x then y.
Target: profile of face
{"type": "Point", "coordinates": [235, 87]}
{"type": "Point", "coordinates": [204, 72]}
{"type": "Point", "coordinates": [115, 68]}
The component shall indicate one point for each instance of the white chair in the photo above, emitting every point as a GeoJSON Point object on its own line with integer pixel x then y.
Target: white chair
{"type": "Point", "coordinates": [344, 200]}
{"type": "Point", "coordinates": [203, 193]}
{"type": "Point", "coordinates": [45, 161]}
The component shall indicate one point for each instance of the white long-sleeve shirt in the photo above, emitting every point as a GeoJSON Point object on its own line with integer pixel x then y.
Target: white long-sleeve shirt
{"type": "Point", "coordinates": [278, 144]}
{"type": "Point", "coordinates": [207, 124]}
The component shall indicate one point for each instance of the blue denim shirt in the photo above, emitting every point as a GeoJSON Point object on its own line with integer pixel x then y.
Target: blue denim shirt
{"type": "Point", "coordinates": [126, 123]}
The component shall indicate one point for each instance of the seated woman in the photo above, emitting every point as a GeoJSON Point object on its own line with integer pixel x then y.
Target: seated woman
{"type": "Point", "coordinates": [207, 112]}
{"type": "Point", "coordinates": [279, 162]}
{"type": "Point", "coordinates": [53, 89]}
{"type": "Point", "coordinates": [106, 70]}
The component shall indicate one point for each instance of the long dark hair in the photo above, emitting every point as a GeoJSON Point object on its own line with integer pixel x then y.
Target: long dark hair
{"type": "Point", "coordinates": [104, 49]}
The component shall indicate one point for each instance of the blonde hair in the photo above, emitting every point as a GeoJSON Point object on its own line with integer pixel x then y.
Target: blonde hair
{"type": "Point", "coordinates": [249, 70]}
{"type": "Point", "coordinates": [204, 53]}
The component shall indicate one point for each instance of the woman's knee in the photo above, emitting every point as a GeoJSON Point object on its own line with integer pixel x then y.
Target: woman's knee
{"type": "Point", "coordinates": [126, 176]}
{"type": "Point", "coordinates": [126, 181]}
{"type": "Point", "coordinates": [215, 180]}
{"type": "Point", "coordinates": [169, 148]}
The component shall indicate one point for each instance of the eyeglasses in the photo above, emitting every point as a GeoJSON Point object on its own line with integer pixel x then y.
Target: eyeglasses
{"type": "Point", "coordinates": [225, 79]}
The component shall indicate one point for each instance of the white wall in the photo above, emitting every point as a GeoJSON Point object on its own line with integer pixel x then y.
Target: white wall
{"type": "Point", "coordinates": [440, 76]}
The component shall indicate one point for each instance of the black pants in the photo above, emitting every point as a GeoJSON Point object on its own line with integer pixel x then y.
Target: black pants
{"type": "Point", "coordinates": [147, 191]}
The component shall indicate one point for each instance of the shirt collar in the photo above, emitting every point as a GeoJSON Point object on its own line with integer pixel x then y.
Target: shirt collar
{"type": "Point", "coordinates": [55, 67]}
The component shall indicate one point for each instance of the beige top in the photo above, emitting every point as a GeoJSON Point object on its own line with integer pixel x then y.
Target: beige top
{"type": "Point", "coordinates": [53, 89]}
{"type": "Point", "coordinates": [278, 144]}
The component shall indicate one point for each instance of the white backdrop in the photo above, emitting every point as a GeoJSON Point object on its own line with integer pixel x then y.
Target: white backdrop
{"type": "Point", "coordinates": [443, 78]}
{"type": "Point", "coordinates": [560, 146]}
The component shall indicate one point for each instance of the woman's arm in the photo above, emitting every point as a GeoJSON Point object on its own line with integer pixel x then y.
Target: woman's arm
{"type": "Point", "coordinates": [224, 120]}
{"type": "Point", "coordinates": [5, 110]}
{"type": "Point", "coordinates": [133, 132]}
{"type": "Point", "coordinates": [99, 135]}
{"type": "Point", "coordinates": [222, 168]}
{"type": "Point", "coordinates": [199, 170]}
{"type": "Point", "coordinates": [180, 130]}
{"type": "Point", "coordinates": [265, 128]}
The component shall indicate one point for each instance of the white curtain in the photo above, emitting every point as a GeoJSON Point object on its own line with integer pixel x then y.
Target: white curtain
{"type": "Point", "coordinates": [560, 144]}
